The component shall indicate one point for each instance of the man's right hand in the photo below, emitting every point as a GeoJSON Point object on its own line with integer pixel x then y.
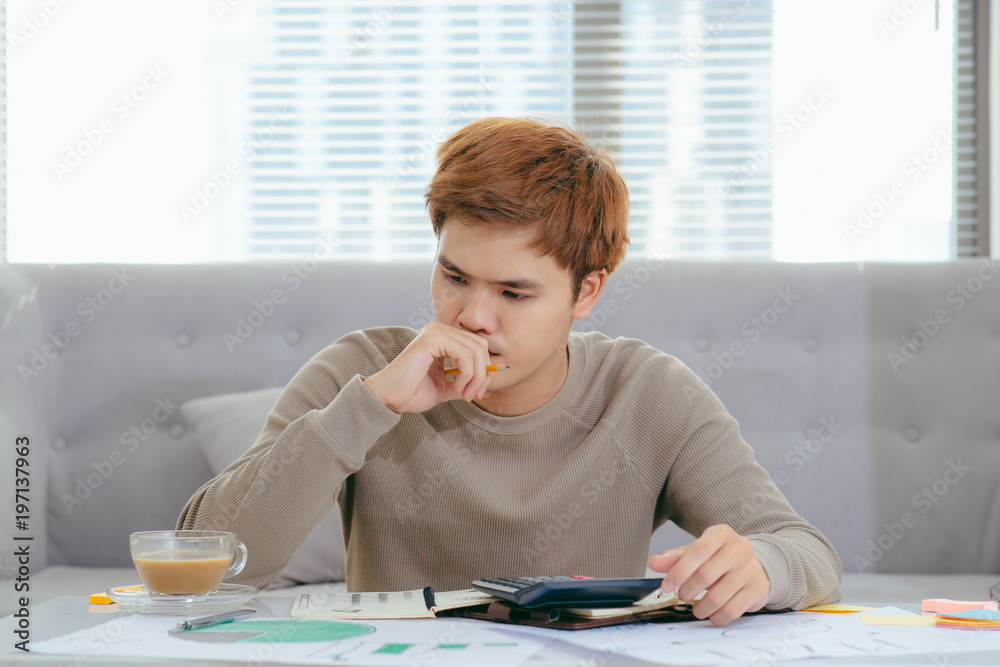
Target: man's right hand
{"type": "Point", "coordinates": [415, 380]}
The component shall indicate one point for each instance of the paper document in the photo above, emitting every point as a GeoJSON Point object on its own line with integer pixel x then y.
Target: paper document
{"type": "Point", "coordinates": [653, 601]}
{"type": "Point", "coordinates": [770, 639]}
{"type": "Point", "coordinates": [440, 642]}
{"type": "Point", "coordinates": [374, 605]}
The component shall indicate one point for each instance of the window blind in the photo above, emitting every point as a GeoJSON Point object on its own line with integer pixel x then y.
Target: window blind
{"type": "Point", "coordinates": [3, 129]}
{"type": "Point", "coordinates": [678, 93]}
{"type": "Point", "coordinates": [971, 203]}
{"type": "Point", "coordinates": [367, 92]}
{"type": "Point", "coordinates": [331, 111]}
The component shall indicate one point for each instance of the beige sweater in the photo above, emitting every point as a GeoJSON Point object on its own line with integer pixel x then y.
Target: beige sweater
{"type": "Point", "coordinates": [633, 439]}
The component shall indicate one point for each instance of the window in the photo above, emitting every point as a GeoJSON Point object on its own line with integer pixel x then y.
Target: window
{"type": "Point", "coordinates": [235, 130]}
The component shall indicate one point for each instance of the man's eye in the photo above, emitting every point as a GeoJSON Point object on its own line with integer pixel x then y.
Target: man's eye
{"type": "Point", "coordinates": [455, 279]}
{"type": "Point", "coordinates": [514, 296]}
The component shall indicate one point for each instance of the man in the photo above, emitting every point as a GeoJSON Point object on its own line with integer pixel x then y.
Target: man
{"type": "Point", "coordinates": [562, 464]}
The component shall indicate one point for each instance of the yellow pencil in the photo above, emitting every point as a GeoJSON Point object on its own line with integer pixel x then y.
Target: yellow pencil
{"type": "Point", "coordinates": [489, 369]}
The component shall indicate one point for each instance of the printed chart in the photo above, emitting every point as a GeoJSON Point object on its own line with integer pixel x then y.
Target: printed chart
{"type": "Point", "coordinates": [769, 639]}
{"type": "Point", "coordinates": [439, 642]}
{"type": "Point", "coordinates": [753, 640]}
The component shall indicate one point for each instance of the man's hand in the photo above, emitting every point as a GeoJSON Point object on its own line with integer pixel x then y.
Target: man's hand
{"type": "Point", "coordinates": [721, 562]}
{"type": "Point", "coordinates": [415, 380]}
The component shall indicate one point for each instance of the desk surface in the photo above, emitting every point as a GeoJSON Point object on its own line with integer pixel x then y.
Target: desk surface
{"type": "Point", "coordinates": [67, 614]}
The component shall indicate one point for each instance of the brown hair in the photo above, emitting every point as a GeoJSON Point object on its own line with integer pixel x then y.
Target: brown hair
{"type": "Point", "coordinates": [523, 172]}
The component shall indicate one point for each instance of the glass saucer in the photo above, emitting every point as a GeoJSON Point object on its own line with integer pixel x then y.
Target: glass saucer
{"type": "Point", "coordinates": [137, 599]}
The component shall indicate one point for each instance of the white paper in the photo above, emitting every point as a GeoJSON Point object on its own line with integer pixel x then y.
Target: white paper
{"type": "Point", "coordinates": [442, 642]}
{"type": "Point", "coordinates": [766, 639]}
{"type": "Point", "coordinates": [397, 604]}
{"type": "Point", "coordinates": [889, 611]}
{"type": "Point", "coordinates": [754, 640]}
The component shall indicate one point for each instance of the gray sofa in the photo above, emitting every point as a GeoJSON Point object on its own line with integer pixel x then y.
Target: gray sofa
{"type": "Point", "coordinates": [871, 392]}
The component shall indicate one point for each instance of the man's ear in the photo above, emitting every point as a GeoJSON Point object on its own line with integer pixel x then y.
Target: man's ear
{"type": "Point", "coordinates": [590, 292]}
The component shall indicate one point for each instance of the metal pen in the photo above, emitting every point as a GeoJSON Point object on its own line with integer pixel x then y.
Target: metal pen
{"type": "Point", "coordinates": [215, 619]}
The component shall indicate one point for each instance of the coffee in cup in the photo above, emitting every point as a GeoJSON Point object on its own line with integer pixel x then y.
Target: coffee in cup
{"type": "Point", "coordinates": [185, 562]}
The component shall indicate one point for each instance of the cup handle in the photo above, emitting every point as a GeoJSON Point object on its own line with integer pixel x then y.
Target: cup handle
{"type": "Point", "coordinates": [237, 567]}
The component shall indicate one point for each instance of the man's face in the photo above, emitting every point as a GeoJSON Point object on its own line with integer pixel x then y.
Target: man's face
{"type": "Point", "coordinates": [487, 281]}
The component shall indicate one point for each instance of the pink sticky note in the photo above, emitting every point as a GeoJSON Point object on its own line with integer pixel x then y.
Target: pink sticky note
{"type": "Point", "coordinates": [944, 606]}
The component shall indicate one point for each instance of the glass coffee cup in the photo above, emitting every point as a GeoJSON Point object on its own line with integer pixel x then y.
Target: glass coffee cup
{"type": "Point", "coordinates": [186, 562]}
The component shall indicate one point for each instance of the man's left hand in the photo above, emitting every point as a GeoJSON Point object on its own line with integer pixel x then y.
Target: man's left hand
{"type": "Point", "coordinates": [722, 563]}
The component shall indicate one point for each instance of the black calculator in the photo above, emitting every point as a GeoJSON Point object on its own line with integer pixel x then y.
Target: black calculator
{"type": "Point", "coordinates": [567, 591]}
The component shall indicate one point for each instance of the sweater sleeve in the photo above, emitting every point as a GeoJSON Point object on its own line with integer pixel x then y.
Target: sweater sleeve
{"type": "Point", "coordinates": [713, 478]}
{"type": "Point", "coordinates": [317, 434]}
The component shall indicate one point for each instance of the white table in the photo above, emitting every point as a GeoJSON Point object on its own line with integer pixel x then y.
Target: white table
{"type": "Point", "coordinates": [66, 614]}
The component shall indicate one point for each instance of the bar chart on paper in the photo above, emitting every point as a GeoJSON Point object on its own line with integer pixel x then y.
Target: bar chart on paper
{"type": "Point", "coordinates": [352, 643]}
{"type": "Point", "coordinates": [464, 653]}
{"type": "Point", "coordinates": [276, 631]}
{"type": "Point", "coordinates": [441, 642]}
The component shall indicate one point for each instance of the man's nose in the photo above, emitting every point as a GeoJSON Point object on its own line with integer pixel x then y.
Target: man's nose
{"type": "Point", "coordinates": [477, 313]}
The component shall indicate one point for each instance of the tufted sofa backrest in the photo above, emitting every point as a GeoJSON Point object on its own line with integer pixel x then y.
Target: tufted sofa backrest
{"type": "Point", "coordinates": [871, 392]}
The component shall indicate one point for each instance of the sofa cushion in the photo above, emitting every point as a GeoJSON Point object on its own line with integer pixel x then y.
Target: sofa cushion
{"type": "Point", "coordinates": [227, 425]}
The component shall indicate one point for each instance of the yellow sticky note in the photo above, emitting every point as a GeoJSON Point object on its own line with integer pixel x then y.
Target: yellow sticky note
{"type": "Point", "coordinates": [874, 619]}
{"type": "Point", "coordinates": [838, 609]}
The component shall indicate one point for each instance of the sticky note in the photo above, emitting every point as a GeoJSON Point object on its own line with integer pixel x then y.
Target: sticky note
{"type": "Point", "coordinates": [102, 597]}
{"type": "Point", "coordinates": [838, 609]}
{"type": "Point", "coordinates": [981, 614]}
{"type": "Point", "coordinates": [875, 619]}
{"type": "Point", "coordinates": [966, 623]}
{"type": "Point", "coordinates": [945, 606]}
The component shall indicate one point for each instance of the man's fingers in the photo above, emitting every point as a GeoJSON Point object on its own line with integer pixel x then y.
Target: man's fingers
{"type": "Point", "coordinates": [688, 575]}
{"type": "Point", "coordinates": [484, 390]}
{"type": "Point", "coordinates": [720, 596]}
{"type": "Point", "coordinates": [468, 352]}
{"type": "Point", "coordinates": [472, 366]}
{"type": "Point", "coordinates": [740, 603]}
{"type": "Point", "coordinates": [666, 560]}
